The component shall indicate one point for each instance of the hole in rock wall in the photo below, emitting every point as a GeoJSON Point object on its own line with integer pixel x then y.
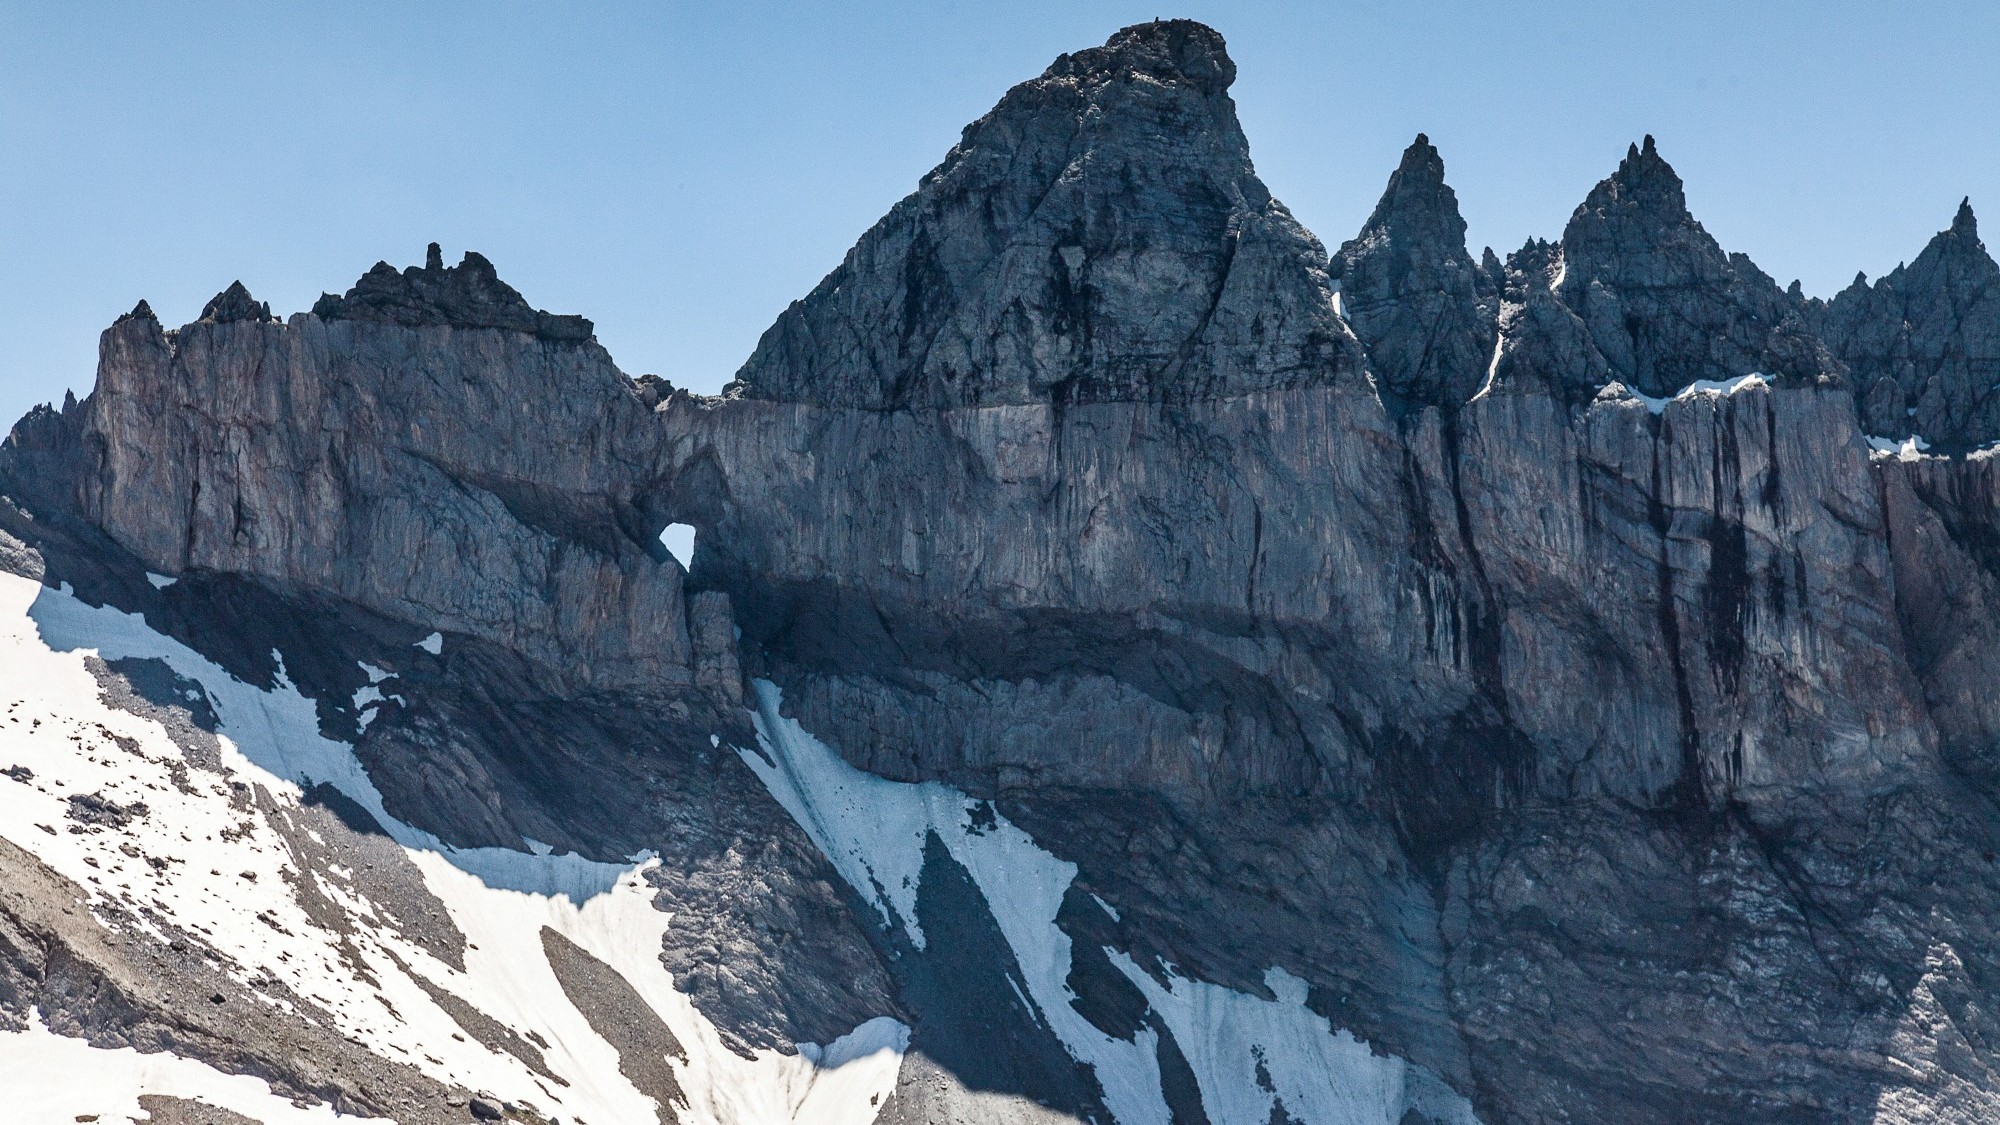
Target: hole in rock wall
{"type": "Point", "coordinates": [678, 539]}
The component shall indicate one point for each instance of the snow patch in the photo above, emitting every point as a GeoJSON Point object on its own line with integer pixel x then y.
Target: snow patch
{"type": "Point", "coordinates": [1700, 388]}
{"type": "Point", "coordinates": [47, 1077]}
{"type": "Point", "coordinates": [53, 720]}
{"type": "Point", "coordinates": [1250, 1055]}
{"type": "Point", "coordinates": [433, 644]}
{"type": "Point", "coordinates": [160, 581]}
{"type": "Point", "coordinates": [370, 696]}
{"type": "Point", "coordinates": [874, 831]}
{"type": "Point", "coordinates": [1911, 448]}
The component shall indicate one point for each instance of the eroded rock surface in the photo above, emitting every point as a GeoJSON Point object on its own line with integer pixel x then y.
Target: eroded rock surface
{"type": "Point", "coordinates": [1923, 342]}
{"type": "Point", "coordinates": [1538, 661]}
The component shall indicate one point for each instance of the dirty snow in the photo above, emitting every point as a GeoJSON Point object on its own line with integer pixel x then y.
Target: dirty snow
{"type": "Point", "coordinates": [224, 865]}
{"type": "Point", "coordinates": [874, 830]}
{"type": "Point", "coordinates": [50, 1078]}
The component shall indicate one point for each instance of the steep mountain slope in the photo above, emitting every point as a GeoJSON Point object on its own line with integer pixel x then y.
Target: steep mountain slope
{"type": "Point", "coordinates": [1134, 668]}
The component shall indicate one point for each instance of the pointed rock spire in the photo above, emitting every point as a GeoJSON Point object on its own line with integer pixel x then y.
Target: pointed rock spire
{"type": "Point", "coordinates": [140, 311]}
{"type": "Point", "coordinates": [233, 304]}
{"type": "Point", "coordinates": [1923, 341]}
{"type": "Point", "coordinates": [1645, 180]}
{"type": "Point", "coordinates": [1099, 235]}
{"type": "Point", "coordinates": [1412, 293]}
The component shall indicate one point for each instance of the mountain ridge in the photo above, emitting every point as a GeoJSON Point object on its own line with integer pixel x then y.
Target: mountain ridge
{"type": "Point", "coordinates": [1137, 654]}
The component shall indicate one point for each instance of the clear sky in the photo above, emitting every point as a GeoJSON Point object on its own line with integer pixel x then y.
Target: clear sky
{"type": "Point", "coordinates": [678, 172]}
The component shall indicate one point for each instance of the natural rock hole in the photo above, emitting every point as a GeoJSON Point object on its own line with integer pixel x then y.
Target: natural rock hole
{"type": "Point", "coordinates": [678, 539]}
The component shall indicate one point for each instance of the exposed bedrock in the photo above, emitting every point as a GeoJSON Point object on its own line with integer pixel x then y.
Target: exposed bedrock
{"type": "Point", "coordinates": [469, 479]}
{"type": "Point", "coordinates": [1549, 662]}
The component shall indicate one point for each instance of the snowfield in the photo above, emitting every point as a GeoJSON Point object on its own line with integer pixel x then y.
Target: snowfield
{"type": "Point", "coordinates": [201, 850]}
{"type": "Point", "coordinates": [200, 860]}
{"type": "Point", "coordinates": [1251, 1057]}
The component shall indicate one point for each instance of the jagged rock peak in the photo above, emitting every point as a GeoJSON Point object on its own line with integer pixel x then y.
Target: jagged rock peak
{"type": "Point", "coordinates": [140, 311]}
{"type": "Point", "coordinates": [468, 295]}
{"type": "Point", "coordinates": [1167, 51]}
{"type": "Point", "coordinates": [1412, 293]}
{"type": "Point", "coordinates": [1663, 302]}
{"type": "Point", "coordinates": [1924, 341]}
{"type": "Point", "coordinates": [1417, 191]}
{"type": "Point", "coordinates": [233, 304]}
{"type": "Point", "coordinates": [1644, 183]}
{"type": "Point", "coordinates": [1100, 235]}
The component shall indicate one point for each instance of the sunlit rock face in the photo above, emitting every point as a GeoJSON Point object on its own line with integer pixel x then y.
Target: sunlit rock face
{"type": "Point", "coordinates": [1127, 665]}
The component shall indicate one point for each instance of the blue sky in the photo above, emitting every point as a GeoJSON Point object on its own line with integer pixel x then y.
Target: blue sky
{"type": "Point", "coordinates": [679, 172]}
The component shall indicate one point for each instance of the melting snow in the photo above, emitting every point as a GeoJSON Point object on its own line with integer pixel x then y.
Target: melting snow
{"type": "Point", "coordinates": [1700, 388]}
{"type": "Point", "coordinates": [49, 1078]}
{"type": "Point", "coordinates": [369, 696]}
{"type": "Point", "coordinates": [874, 831]}
{"type": "Point", "coordinates": [1911, 448]}
{"type": "Point", "coordinates": [1321, 1076]}
{"type": "Point", "coordinates": [56, 724]}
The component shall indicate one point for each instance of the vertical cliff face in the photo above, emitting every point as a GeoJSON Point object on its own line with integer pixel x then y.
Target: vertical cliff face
{"type": "Point", "coordinates": [1224, 683]}
{"type": "Point", "coordinates": [428, 446]}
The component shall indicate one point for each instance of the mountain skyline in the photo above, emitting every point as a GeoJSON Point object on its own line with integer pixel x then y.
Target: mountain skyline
{"type": "Point", "coordinates": [679, 178]}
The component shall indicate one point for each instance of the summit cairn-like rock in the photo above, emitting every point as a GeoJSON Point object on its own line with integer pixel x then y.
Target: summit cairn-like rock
{"type": "Point", "coordinates": [1412, 292]}
{"type": "Point", "coordinates": [468, 295]}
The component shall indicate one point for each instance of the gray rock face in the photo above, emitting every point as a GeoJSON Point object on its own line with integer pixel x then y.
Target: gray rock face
{"type": "Point", "coordinates": [232, 304]}
{"type": "Point", "coordinates": [1599, 729]}
{"type": "Point", "coordinates": [1107, 216]}
{"type": "Point", "coordinates": [1412, 293]}
{"type": "Point", "coordinates": [1924, 342]}
{"type": "Point", "coordinates": [469, 480]}
{"type": "Point", "coordinates": [1663, 303]}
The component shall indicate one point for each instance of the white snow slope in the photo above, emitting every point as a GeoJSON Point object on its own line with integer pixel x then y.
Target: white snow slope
{"type": "Point", "coordinates": [874, 830]}
{"type": "Point", "coordinates": [220, 866]}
